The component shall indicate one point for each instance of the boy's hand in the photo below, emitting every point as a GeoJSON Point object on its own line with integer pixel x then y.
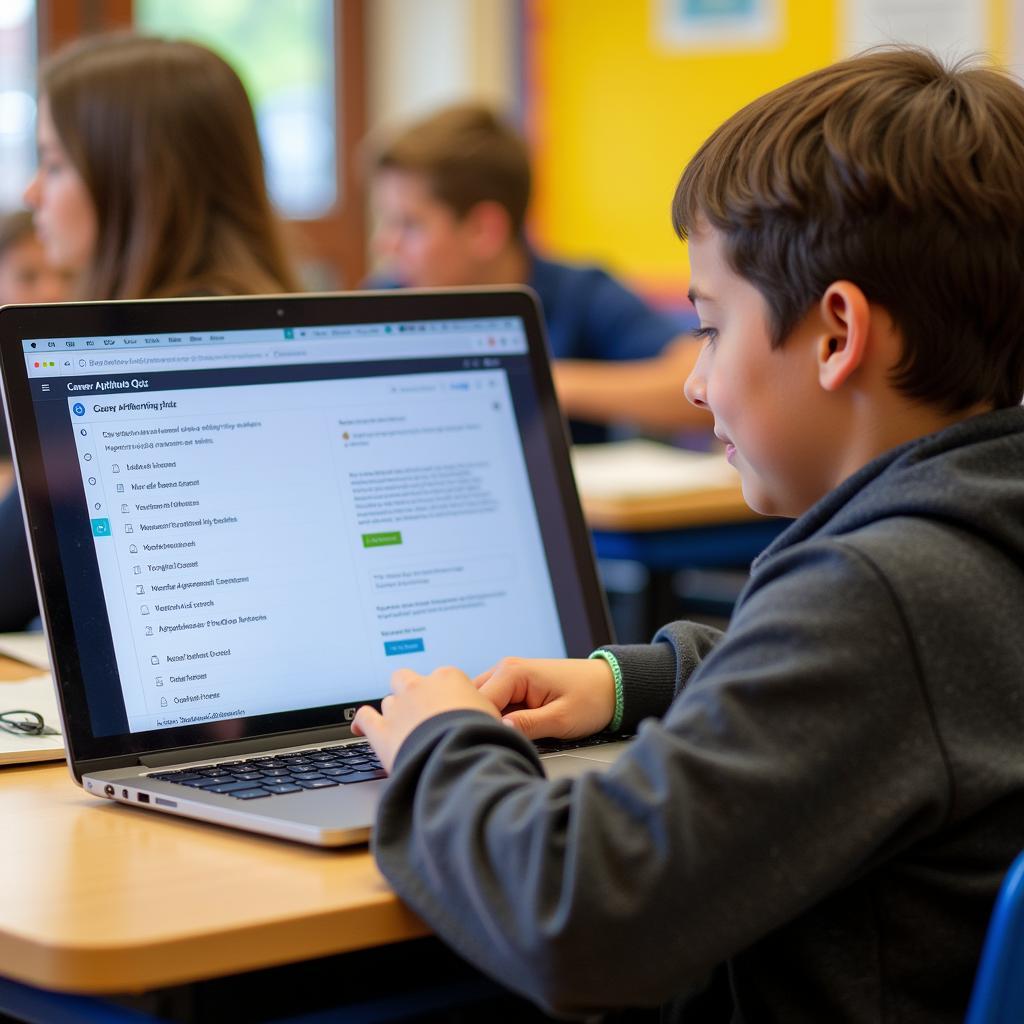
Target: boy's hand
{"type": "Point", "coordinates": [560, 698]}
{"type": "Point", "coordinates": [414, 699]}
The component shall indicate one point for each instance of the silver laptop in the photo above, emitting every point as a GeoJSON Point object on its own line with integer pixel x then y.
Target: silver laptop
{"type": "Point", "coordinates": [244, 514]}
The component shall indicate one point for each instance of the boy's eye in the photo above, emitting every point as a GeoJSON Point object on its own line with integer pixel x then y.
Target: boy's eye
{"type": "Point", "coordinates": [705, 333]}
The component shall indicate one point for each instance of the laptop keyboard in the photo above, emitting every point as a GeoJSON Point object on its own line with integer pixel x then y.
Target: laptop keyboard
{"type": "Point", "coordinates": [281, 774]}
{"type": "Point", "coordinates": [549, 746]}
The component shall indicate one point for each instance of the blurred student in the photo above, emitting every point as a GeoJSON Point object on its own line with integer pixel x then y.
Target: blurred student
{"type": "Point", "coordinates": [450, 195]}
{"type": "Point", "coordinates": [150, 184]}
{"type": "Point", "coordinates": [813, 820]}
{"type": "Point", "coordinates": [26, 276]}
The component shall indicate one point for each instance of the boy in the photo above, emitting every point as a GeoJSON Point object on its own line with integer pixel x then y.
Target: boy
{"type": "Point", "coordinates": [450, 194]}
{"type": "Point", "coordinates": [820, 821]}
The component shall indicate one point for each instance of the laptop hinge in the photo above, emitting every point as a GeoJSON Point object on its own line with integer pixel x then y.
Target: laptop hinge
{"type": "Point", "coordinates": [215, 751]}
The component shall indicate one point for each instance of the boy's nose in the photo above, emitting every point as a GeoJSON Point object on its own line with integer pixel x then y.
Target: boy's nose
{"type": "Point", "coordinates": [695, 388]}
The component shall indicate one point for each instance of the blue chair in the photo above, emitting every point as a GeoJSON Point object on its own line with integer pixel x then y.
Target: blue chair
{"type": "Point", "coordinates": [998, 996]}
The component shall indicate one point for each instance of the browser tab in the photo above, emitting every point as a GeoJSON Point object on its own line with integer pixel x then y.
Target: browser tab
{"type": "Point", "coordinates": [339, 343]}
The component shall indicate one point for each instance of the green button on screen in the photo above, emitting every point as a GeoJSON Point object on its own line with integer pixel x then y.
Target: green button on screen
{"type": "Point", "coordinates": [382, 540]}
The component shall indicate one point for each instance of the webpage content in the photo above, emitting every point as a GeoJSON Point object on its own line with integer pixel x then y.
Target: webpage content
{"type": "Point", "coordinates": [282, 546]}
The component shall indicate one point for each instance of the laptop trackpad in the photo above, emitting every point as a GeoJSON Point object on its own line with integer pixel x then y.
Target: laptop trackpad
{"type": "Point", "coordinates": [569, 766]}
{"type": "Point", "coordinates": [575, 762]}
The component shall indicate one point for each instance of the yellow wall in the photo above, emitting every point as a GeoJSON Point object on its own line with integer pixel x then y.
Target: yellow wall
{"type": "Point", "coordinates": [613, 120]}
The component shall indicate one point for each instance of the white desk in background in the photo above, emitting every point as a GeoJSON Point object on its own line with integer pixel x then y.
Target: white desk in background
{"type": "Point", "coordinates": [668, 509]}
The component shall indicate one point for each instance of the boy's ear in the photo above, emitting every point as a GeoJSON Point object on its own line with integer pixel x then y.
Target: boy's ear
{"type": "Point", "coordinates": [843, 341]}
{"type": "Point", "coordinates": [489, 229]}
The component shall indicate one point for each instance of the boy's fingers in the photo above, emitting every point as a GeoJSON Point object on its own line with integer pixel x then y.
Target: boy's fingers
{"type": "Point", "coordinates": [501, 689]}
{"type": "Point", "coordinates": [479, 680]}
{"type": "Point", "coordinates": [401, 678]}
{"type": "Point", "coordinates": [529, 723]}
{"type": "Point", "coordinates": [366, 721]}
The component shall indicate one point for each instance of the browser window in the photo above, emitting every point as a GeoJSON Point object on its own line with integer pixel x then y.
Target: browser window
{"type": "Point", "coordinates": [356, 496]}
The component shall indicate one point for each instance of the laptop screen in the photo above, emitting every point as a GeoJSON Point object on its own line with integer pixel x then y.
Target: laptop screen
{"type": "Point", "coordinates": [257, 524]}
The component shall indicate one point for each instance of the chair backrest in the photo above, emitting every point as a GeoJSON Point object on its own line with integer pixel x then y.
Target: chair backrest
{"type": "Point", "coordinates": [998, 996]}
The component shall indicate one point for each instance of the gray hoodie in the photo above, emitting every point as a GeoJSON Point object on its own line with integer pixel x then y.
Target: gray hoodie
{"type": "Point", "coordinates": [821, 818]}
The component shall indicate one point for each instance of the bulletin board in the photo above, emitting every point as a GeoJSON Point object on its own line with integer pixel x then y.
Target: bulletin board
{"type": "Point", "coordinates": [615, 107]}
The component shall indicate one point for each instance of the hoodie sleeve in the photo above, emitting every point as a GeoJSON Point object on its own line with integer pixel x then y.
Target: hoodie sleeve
{"type": "Point", "coordinates": [652, 674]}
{"type": "Point", "coordinates": [799, 753]}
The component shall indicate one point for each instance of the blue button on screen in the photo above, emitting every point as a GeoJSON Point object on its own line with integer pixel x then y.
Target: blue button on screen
{"type": "Point", "coordinates": [414, 645]}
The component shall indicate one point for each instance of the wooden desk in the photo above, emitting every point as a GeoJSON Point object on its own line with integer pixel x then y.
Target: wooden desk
{"type": "Point", "coordinates": [104, 899]}
{"type": "Point", "coordinates": [645, 485]}
{"type": "Point", "coordinates": [669, 511]}
{"type": "Point", "coordinates": [13, 671]}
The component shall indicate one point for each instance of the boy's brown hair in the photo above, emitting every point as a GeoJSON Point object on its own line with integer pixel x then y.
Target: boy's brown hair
{"type": "Point", "coordinates": [898, 174]}
{"type": "Point", "coordinates": [467, 155]}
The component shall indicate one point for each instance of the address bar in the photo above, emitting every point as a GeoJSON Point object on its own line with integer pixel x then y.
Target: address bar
{"type": "Point", "coordinates": [155, 361]}
{"type": "Point", "coordinates": [273, 353]}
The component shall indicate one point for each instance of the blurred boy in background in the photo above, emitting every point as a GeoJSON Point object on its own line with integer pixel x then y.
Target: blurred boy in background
{"type": "Point", "coordinates": [450, 194]}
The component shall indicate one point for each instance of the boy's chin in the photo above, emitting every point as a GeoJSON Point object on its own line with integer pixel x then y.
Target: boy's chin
{"type": "Point", "coordinates": [761, 500]}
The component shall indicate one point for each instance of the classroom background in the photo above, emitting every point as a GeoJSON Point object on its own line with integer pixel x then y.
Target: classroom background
{"type": "Point", "coordinates": [613, 97]}
{"type": "Point", "coordinates": [165, 916]}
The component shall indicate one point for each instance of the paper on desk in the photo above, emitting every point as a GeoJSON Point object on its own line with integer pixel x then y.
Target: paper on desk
{"type": "Point", "coordinates": [640, 468]}
{"type": "Point", "coordinates": [29, 648]}
{"type": "Point", "coordinates": [35, 694]}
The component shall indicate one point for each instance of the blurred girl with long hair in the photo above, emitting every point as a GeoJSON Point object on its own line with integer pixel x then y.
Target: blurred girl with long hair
{"type": "Point", "coordinates": [150, 184]}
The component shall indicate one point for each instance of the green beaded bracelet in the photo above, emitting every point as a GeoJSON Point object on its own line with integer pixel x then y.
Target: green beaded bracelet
{"type": "Point", "coordinates": [613, 664]}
